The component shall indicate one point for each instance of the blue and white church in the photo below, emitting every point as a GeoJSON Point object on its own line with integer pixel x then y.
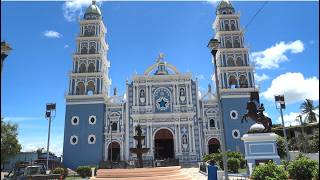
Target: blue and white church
{"type": "Point", "coordinates": [176, 122]}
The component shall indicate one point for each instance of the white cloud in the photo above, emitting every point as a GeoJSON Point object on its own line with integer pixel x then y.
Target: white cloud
{"type": "Point", "coordinates": [292, 120]}
{"type": "Point", "coordinates": [213, 2]}
{"type": "Point", "coordinates": [66, 46]}
{"type": "Point", "coordinates": [294, 87]}
{"type": "Point", "coordinates": [271, 57]}
{"type": "Point", "coordinates": [200, 77]}
{"type": "Point", "coordinates": [289, 119]}
{"type": "Point", "coordinates": [259, 78]}
{"type": "Point", "coordinates": [73, 8]}
{"type": "Point", "coordinates": [199, 93]}
{"type": "Point", "coordinates": [52, 34]}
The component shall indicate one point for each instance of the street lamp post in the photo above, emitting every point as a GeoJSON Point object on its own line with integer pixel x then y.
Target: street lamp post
{"type": "Point", "coordinates": [214, 45]}
{"type": "Point", "coordinates": [50, 114]}
{"type": "Point", "coordinates": [280, 104]}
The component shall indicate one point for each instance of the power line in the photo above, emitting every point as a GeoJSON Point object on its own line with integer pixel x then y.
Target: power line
{"type": "Point", "coordinates": [263, 5]}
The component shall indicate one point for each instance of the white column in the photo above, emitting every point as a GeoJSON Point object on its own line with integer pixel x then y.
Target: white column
{"type": "Point", "coordinates": [137, 96]}
{"type": "Point", "coordinates": [147, 139]}
{"type": "Point", "coordinates": [179, 137]}
{"type": "Point", "coordinates": [176, 138]}
{"type": "Point", "coordinates": [189, 131]}
{"type": "Point", "coordinates": [147, 95]}
{"type": "Point", "coordinates": [190, 93]}
{"type": "Point", "coordinates": [152, 140]}
{"type": "Point", "coordinates": [177, 94]}
{"type": "Point", "coordinates": [187, 93]}
{"type": "Point", "coordinates": [193, 140]}
{"type": "Point", "coordinates": [150, 94]}
{"type": "Point", "coordinates": [134, 95]}
{"type": "Point", "coordinates": [174, 94]}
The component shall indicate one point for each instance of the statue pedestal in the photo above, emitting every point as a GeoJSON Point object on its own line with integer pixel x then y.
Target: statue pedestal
{"type": "Point", "coordinates": [260, 148]}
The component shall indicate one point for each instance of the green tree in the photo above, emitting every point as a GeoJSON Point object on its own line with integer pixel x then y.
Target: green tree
{"type": "Point", "coordinates": [307, 108]}
{"type": "Point", "coordinates": [9, 141]}
{"type": "Point", "coordinates": [269, 171]}
{"type": "Point", "coordinates": [281, 146]}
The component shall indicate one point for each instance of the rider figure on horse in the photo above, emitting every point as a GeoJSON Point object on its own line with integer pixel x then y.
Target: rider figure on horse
{"type": "Point", "coordinates": [260, 111]}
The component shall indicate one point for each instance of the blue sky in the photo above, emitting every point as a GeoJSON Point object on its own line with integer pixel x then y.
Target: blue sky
{"type": "Point", "coordinates": [283, 42]}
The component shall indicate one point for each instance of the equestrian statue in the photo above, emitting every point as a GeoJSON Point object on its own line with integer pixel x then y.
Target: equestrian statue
{"type": "Point", "coordinates": [256, 114]}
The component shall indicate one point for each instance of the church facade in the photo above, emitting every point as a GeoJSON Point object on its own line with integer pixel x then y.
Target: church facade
{"type": "Point", "coordinates": [176, 122]}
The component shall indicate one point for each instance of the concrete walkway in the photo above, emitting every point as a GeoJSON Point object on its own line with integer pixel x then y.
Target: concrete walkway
{"type": "Point", "coordinates": [194, 173]}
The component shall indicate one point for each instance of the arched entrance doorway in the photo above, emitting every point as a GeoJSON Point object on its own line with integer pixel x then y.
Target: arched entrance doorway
{"type": "Point", "coordinates": [163, 144]}
{"type": "Point", "coordinates": [213, 145]}
{"type": "Point", "coordinates": [115, 153]}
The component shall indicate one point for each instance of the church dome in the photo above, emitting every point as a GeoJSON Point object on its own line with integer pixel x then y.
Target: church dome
{"type": "Point", "coordinates": [225, 7]}
{"type": "Point", "coordinates": [92, 12]}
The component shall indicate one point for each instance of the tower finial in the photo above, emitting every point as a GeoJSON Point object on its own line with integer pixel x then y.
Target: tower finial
{"type": "Point", "coordinates": [115, 91]}
{"type": "Point", "coordinates": [94, 2]}
{"type": "Point", "coordinates": [161, 56]}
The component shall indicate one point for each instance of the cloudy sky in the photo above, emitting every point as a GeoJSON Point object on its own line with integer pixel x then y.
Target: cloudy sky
{"type": "Point", "coordinates": [283, 42]}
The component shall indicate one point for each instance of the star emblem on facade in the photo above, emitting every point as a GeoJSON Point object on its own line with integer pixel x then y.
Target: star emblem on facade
{"type": "Point", "coordinates": [162, 103]}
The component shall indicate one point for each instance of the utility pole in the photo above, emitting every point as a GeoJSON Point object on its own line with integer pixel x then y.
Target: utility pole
{"type": "Point", "coordinates": [280, 104]}
{"type": "Point", "coordinates": [214, 45]}
{"type": "Point", "coordinates": [50, 114]}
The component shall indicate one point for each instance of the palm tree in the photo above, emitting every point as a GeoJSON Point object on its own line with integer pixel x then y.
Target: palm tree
{"type": "Point", "coordinates": [308, 109]}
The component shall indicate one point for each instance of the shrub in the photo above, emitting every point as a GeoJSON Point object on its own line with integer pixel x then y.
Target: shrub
{"type": "Point", "coordinates": [233, 165]}
{"type": "Point", "coordinates": [269, 171]}
{"type": "Point", "coordinates": [302, 168]}
{"type": "Point", "coordinates": [285, 164]}
{"type": "Point", "coordinates": [84, 171]}
{"type": "Point", "coordinates": [281, 147]}
{"type": "Point", "coordinates": [217, 158]}
{"type": "Point", "coordinates": [239, 156]}
{"type": "Point", "coordinates": [62, 171]}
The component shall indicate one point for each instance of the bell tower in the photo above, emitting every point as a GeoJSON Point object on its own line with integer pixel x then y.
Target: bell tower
{"type": "Point", "coordinates": [88, 90]}
{"type": "Point", "coordinates": [234, 72]}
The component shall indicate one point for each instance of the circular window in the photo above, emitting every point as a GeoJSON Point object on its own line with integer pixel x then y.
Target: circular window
{"type": "Point", "coordinates": [91, 139]}
{"type": "Point", "coordinates": [75, 120]}
{"type": "Point", "coordinates": [236, 134]}
{"type": "Point", "coordinates": [74, 140]}
{"type": "Point", "coordinates": [234, 114]}
{"type": "Point", "coordinates": [92, 120]}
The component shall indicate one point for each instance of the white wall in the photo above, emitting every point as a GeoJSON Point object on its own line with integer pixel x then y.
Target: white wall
{"type": "Point", "coordinates": [314, 156]}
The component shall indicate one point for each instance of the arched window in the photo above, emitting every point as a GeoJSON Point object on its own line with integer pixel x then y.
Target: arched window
{"type": "Point", "coordinates": [82, 68]}
{"type": "Point", "coordinates": [92, 48]}
{"type": "Point", "coordinates": [114, 126]}
{"type": "Point", "coordinates": [142, 94]}
{"type": "Point", "coordinates": [230, 61]}
{"type": "Point", "coordinates": [84, 48]}
{"type": "Point", "coordinates": [228, 43]}
{"type": "Point", "coordinates": [91, 67]}
{"type": "Point", "coordinates": [236, 42]}
{"type": "Point", "coordinates": [243, 81]}
{"type": "Point", "coordinates": [226, 25]}
{"type": "Point", "coordinates": [80, 88]}
{"type": "Point", "coordinates": [212, 123]}
{"type": "Point", "coordinates": [232, 82]}
{"type": "Point", "coordinates": [90, 88]}
{"type": "Point", "coordinates": [239, 61]}
{"type": "Point", "coordinates": [184, 139]}
{"type": "Point", "coordinates": [233, 25]}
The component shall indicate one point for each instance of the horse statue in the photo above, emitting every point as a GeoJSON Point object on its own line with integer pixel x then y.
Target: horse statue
{"type": "Point", "coordinates": [256, 114]}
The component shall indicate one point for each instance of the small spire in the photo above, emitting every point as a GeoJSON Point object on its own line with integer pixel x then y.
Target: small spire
{"type": "Point", "coordinates": [94, 2]}
{"type": "Point", "coordinates": [209, 88]}
{"type": "Point", "coordinates": [115, 91]}
{"type": "Point", "coordinates": [161, 56]}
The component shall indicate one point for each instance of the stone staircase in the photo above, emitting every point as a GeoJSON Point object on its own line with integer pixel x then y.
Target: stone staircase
{"type": "Point", "coordinates": [159, 173]}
